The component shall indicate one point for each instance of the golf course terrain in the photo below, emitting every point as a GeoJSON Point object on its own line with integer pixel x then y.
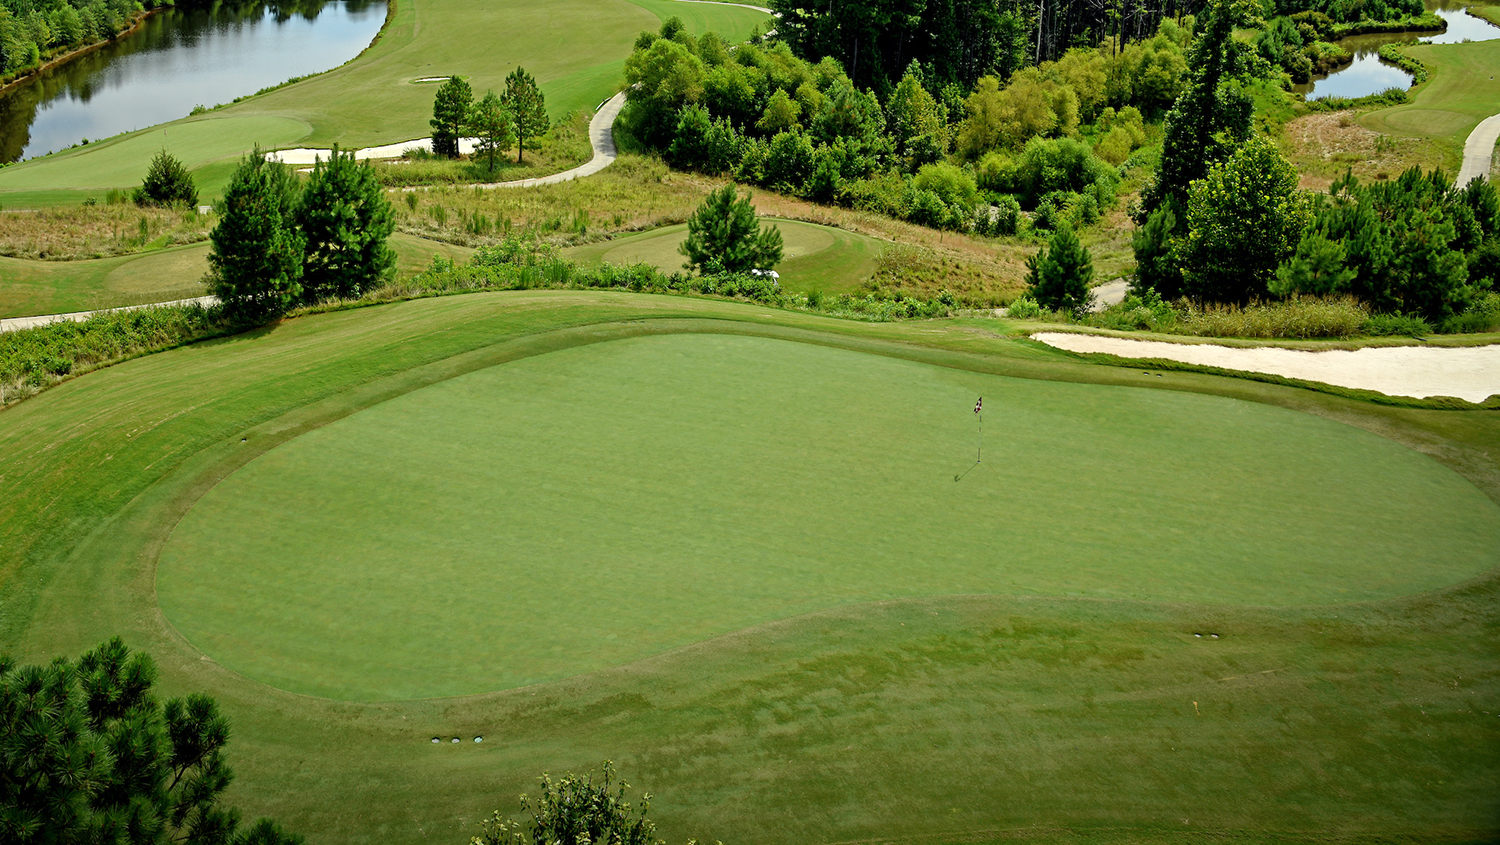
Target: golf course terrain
{"type": "Point", "coordinates": [29, 287]}
{"type": "Point", "coordinates": [749, 555]}
{"type": "Point", "coordinates": [817, 257]}
{"type": "Point", "coordinates": [576, 49]}
{"type": "Point", "coordinates": [803, 579]}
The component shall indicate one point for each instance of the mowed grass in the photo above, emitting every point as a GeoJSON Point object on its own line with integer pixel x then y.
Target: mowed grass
{"type": "Point", "coordinates": [816, 257]}
{"type": "Point", "coordinates": [1460, 92]}
{"type": "Point", "coordinates": [743, 480]}
{"type": "Point", "coordinates": [576, 49]}
{"type": "Point", "coordinates": [937, 719]}
{"type": "Point", "coordinates": [29, 287]}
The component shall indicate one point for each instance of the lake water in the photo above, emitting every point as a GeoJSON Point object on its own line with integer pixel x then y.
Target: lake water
{"type": "Point", "coordinates": [179, 59]}
{"type": "Point", "coordinates": [1369, 75]}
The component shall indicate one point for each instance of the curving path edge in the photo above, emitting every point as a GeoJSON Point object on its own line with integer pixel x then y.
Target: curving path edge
{"type": "Point", "coordinates": [1479, 151]}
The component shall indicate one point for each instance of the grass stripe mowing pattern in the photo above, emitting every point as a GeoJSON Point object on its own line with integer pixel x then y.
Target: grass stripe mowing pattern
{"type": "Point", "coordinates": [589, 507]}
{"type": "Point", "coordinates": [951, 719]}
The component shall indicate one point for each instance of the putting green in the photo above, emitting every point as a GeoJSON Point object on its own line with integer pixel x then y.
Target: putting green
{"type": "Point", "coordinates": [816, 257]}
{"type": "Point", "coordinates": [598, 504]}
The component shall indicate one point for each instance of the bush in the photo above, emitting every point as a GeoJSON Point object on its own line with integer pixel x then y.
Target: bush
{"type": "Point", "coordinates": [1024, 308]}
{"type": "Point", "coordinates": [167, 183]}
{"type": "Point", "coordinates": [1387, 325]}
{"type": "Point", "coordinates": [575, 809]}
{"type": "Point", "coordinates": [1300, 317]}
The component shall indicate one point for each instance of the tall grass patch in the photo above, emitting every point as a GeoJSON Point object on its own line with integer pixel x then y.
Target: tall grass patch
{"type": "Point", "coordinates": [70, 233]}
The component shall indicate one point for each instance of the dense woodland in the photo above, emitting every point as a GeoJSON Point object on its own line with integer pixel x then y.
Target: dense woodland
{"type": "Point", "coordinates": [1015, 122]}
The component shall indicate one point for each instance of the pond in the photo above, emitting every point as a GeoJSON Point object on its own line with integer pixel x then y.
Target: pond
{"type": "Point", "coordinates": [177, 59]}
{"type": "Point", "coordinates": [1367, 74]}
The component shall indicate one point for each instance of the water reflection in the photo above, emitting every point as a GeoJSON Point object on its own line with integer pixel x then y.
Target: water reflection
{"type": "Point", "coordinates": [1367, 74]}
{"type": "Point", "coordinates": [177, 59]}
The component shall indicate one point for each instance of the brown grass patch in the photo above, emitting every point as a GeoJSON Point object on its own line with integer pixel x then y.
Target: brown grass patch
{"type": "Point", "coordinates": [98, 231]}
{"type": "Point", "coordinates": [1323, 145]}
{"type": "Point", "coordinates": [639, 193]}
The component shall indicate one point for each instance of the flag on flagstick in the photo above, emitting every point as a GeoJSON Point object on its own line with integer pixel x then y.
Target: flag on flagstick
{"type": "Point", "coordinates": [978, 406]}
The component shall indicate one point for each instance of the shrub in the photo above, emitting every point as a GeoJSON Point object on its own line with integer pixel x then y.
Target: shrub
{"type": "Point", "coordinates": [1386, 325]}
{"type": "Point", "coordinates": [1300, 317]}
{"type": "Point", "coordinates": [577, 808]}
{"type": "Point", "coordinates": [167, 183]}
{"type": "Point", "coordinates": [1024, 308]}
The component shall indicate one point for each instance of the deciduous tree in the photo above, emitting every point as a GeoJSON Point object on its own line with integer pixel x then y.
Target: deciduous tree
{"type": "Point", "coordinates": [1243, 219]}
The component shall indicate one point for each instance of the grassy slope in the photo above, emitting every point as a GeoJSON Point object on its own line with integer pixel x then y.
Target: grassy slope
{"type": "Point", "coordinates": [1460, 92]}
{"type": "Point", "coordinates": [575, 48]}
{"type": "Point", "coordinates": [817, 257]}
{"type": "Point", "coordinates": [940, 719]}
{"type": "Point", "coordinates": [58, 287]}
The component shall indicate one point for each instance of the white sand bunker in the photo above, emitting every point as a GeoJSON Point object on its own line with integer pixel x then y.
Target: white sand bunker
{"type": "Point", "coordinates": [1471, 373]}
{"type": "Point", "coordinates": [308, 155]}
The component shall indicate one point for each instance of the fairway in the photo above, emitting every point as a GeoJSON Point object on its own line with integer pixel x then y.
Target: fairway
{"type": "Point", "coordinates": [1461, 91]}
{"type": "Point", "coordinates": [816, 257]}
{"type": "Point", "coordinates": [722, 482]}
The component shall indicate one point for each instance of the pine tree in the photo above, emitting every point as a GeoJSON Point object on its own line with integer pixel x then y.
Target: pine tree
{"type": "Point", "coordinates": [256, 257]}
{"type": "Point", "coordinates": [528, 109]}
{"type": "Point", "coordinates": [92, 756]}
{"type": "Point", "coordinates": [345, 219]}
{"type": "Point", "coordinates": [490, 122]}
{"type": "Point", "coordinates": [1060, 272]}
{"type": "Point", "coordinates": [449, 110]}
{"type": "Point", "coordinates": [1212, 116]}
{"type": "Point", "coordinates": [167, 183]}
{"type": "Point", "coordinates": [724, 236]}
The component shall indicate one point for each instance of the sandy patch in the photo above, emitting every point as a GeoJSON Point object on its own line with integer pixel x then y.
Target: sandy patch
{"type": "Point", "coordinates": [307, 155]}
{"type": "Point", "coordinates": [1323, 144]}
{"type": "Point", "coordinates": [1471, 373]}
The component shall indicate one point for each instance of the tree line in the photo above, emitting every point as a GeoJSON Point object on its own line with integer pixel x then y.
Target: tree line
{"type": "Point", "coordinates": [963, 40]}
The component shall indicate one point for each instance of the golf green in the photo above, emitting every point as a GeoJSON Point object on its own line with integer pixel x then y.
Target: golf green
{"type": "Point", "coordinates": [599, 504]}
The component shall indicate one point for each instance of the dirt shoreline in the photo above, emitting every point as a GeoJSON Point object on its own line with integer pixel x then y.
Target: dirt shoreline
{"type": "Point", "coordinates": [84, 50]}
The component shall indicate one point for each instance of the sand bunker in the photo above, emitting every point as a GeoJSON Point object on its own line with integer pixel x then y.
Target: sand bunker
{"type": "Point", "coordinates": [1471, 373]}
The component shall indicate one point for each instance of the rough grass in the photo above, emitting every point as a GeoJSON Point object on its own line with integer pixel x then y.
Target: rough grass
{"type": "Point", "coordinates": [1324, 145]}
{"type": "Point", "coordinates": [971, 719]}
{"type": "Point", "coordinates": [1299, 317]}
{"type": "Point", "coordinates": [816, 257]}
{"type": "Point", "coordinates": [98, 231]}
{"type": "Point", "coordinates": [639, 193]}
{"type": "Point", "coordinates": [29, 287]}
{"type": "Point", "coordinates": [566, 146]}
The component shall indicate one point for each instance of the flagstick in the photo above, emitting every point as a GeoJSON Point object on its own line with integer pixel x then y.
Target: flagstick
{"type": "Point", "coordinates": [980, 453]}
